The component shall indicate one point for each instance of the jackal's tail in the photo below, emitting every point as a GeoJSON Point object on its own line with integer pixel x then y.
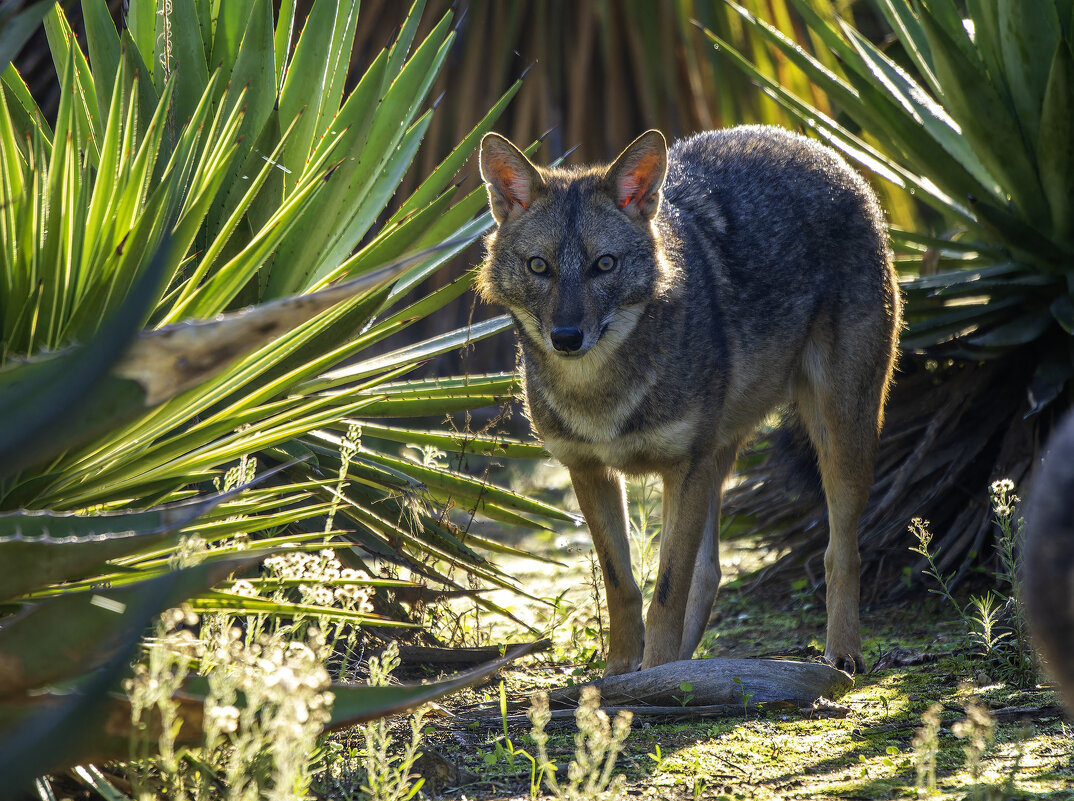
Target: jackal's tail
{"type": "Point", "coordinates": [796, 468]}
{"type": "Point", "coordinates": [1049, 558]}
{"type": "Point", "coordinates": [783, 458]}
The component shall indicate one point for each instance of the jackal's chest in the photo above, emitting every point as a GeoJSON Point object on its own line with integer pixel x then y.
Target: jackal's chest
{"type": "Point", "coordinates": [598, 411]}
{"type": "Point", "coordinates": [654, 449]}
{"type": "Point", "coordinates": [650, 449]}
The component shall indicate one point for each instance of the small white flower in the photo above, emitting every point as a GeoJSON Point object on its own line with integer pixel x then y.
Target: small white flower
{"type": "Point", "coordinates": [1002, 486]}
{"type": "Point", "coordinates": [245, 588]}
{"type": "Point", "coordinates": [190, 617]}
{"type": "Point", "coordinates": [224, 718]}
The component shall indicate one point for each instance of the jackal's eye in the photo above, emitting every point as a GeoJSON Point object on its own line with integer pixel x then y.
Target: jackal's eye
{"type": "Point", "coordinates": [605, 263]}
{"type": "Point", "coordinates": [538, 265]}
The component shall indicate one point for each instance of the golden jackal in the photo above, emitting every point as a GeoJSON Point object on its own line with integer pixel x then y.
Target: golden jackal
{"type": "Point", "coordinates": [665, 304]}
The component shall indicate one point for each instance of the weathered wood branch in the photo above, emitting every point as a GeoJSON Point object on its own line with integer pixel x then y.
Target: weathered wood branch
{"type": "Point", "coordinates": [715, 682]}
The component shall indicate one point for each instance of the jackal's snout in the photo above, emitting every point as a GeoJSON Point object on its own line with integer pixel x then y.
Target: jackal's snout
{"type": "Point", "coordinates": [567, 338]}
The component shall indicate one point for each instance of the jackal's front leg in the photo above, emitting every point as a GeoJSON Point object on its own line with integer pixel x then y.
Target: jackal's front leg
{"type": "Point", "coordinates": [602, 497]}
{"type": "Point", "coordinates": [688, 496]}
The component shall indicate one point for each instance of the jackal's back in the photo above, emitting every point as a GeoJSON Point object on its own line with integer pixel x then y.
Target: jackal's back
{"type": "Point", "coordinates": [773, 230]}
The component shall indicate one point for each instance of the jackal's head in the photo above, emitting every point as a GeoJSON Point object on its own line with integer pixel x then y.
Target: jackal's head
{"type": "Point", "coordinates": [575, 256]}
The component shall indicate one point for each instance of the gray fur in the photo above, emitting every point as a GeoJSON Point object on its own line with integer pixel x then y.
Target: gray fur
{"type": "Point", "coordinates": [758, 276]}
{"type": "Point", "coordinates": [1048, 583]}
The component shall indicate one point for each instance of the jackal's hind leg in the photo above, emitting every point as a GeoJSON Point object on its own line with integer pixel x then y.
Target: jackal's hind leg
{"type": "Point", "coordinates": [602, 497]}
{"type": "Point", "coordinates": [841, 410]}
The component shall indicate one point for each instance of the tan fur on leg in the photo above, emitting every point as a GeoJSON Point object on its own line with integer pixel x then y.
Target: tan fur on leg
{"type": "Point", "coordinates": [687, 500]}
{"type": "Point", "coordinates": [602, 497]}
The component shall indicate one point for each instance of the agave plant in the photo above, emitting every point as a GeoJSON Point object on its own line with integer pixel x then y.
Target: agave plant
{"type": "Point", "coordinates": [201, 162]}
{"type": "Point", "coordinates": [973, 114]}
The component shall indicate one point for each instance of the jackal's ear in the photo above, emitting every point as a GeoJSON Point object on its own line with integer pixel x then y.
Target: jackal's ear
{"type": "Point", "coordinates": [635, 178]}
{"type": "Point", "coordinates": [513, 182]}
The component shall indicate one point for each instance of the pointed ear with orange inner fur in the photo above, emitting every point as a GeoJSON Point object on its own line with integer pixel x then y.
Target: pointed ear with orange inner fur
{"type": "Point", "coordinates": [635, 178]}
{"type": "Point", "coordinates": [512, 180]}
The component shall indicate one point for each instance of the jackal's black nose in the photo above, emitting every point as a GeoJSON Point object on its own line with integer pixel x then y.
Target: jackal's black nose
{"type": "Point", "coordinates": [566, 338]}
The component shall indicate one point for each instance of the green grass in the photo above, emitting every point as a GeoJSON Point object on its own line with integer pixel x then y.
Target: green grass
{"type": "Point", "coordinates": [779, 753]}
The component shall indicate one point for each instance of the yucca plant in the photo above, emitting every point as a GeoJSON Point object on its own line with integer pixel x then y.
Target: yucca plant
{"type": "Point", "coordinates": [973, 114]}
{"type": "Point", "coordinates": [200, 162]}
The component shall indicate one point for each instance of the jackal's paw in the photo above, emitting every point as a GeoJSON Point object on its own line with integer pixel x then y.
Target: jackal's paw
{"type": "Point", "coordinates": [617, 667]}
{"type": "Point", "coordinates": [848, 663]}
{"type": "Point", "coordinates": [656, 659]}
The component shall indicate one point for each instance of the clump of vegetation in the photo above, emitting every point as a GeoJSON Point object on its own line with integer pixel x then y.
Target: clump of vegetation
{"type": "Point", "coordinates": [926, 745]}
{"type": "Point", "coordinates": [994, 622]}
{"type": "Point", "coordinates": [267, 702]}
{"type": "Point", "coordinates": [267, 694]}
{"type": "Point", "coordinates": [591, 774]}
{"type": "Point", "coordinates": [977, 735]}
{"type": "Point", "coordinates": [977, 731]}
{"type": "Point", "coordinates": [388, 775]}
{"type": "Point", "coordinates": [198, 254]}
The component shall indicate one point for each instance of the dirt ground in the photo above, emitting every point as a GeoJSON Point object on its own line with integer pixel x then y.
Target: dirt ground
{"type": "Point", "coordinates": [862, 747]}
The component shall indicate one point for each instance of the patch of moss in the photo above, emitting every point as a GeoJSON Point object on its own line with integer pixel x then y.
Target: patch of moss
{"type": "Point", "coordinates": [868, 754]}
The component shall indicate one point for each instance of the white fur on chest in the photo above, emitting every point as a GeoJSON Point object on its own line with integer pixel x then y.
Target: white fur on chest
{"type": "Point", "coordinates": [644, 451]}
{"type": "Point", "coordinates": [591, 395]}
{"type": "Point", "coordinates": [600, 419]}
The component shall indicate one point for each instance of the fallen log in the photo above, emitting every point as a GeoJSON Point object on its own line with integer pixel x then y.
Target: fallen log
{"type": "Point", "coordinates": [715, 682]}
